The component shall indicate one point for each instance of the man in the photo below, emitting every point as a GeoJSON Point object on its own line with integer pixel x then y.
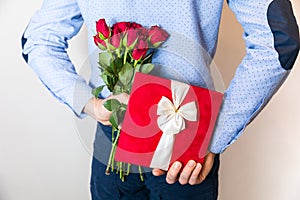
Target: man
{"type": "Point", "coordinates": [272, 44]}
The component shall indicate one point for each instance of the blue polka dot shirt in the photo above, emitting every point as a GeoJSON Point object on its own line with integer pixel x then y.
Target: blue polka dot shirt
{"type": "Point", "coordinates": [271, 49]}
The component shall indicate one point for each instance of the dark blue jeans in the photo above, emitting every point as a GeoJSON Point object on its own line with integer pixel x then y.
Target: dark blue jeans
{"type": "Point", "coordinates": [110, 187]}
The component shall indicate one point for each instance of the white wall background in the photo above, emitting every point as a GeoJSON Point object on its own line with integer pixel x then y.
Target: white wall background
{"type": "Point", "coordinates": [42, 156]}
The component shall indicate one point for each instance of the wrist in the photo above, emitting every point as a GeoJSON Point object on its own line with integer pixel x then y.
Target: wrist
{"type": "Point", "coordinates": [211, 154]}
{"type": "Point", "coordinates": [91, 106]}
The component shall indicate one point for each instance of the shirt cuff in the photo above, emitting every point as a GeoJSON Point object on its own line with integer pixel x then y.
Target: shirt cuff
{"type": "Point", "coordinates": [82, 94]}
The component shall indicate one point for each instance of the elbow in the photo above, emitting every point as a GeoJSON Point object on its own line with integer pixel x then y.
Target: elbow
{"type": "Point", "coordinates": [285, 32]}
{"type": "Point", "coordinates": [288, 51]}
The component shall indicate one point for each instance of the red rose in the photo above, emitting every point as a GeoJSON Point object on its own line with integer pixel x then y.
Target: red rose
{"type": "Point", "coordinates": [157, 36]}
{"type": "Point", "coordinates": [102, 29]}
{"type": "Point", "coordinates": [120, 27]}
{"type": "Point", "coordinates": [133, 30]}
{"type": "Point", "coordinates": [134, 25]}
{"type": "Point", "coordinates": [117, 30]}
{"type": "Point", "coordinates": [100, 43]}
{"type": "Point", "coordinates": [140, 51]}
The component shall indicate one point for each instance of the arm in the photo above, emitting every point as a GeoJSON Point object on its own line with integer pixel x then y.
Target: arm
{"type": "Point", "coordinates": [272, 44]}
{"type": "Point", "coordinates": [44, 43]}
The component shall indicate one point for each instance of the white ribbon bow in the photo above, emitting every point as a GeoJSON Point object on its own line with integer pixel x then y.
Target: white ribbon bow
{"type": "Point", "coordinates": [172, 121]}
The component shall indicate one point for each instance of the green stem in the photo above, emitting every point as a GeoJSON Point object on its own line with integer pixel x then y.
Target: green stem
{"type": "Point", "coordinates": [128, 169]}
{"type": "Point", "coordinates": [118, 53]}
{"type": "Point", "coordinates": [141, 173]}
{"type": "Point", "coordinates": [117, 167]}
{"type": "Point", "coordinates": [112, 152]}
{"type": "Point", "coordinates": [135, 63]}
{"type": "Point", "coordinates": [125, 56]}
{"type": "Point", "coordinates": [112, 134]}
{"type": "Point", "coordinates": [120, 170]}
{"type": "Point", "coordinates": [108, 49]}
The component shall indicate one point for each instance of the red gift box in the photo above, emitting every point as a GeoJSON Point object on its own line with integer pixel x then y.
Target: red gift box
{"type": "Point", "coordinates": [142, 141]}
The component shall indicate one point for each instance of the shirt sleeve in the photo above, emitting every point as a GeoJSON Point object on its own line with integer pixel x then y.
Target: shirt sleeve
{"type": "Point", "coordinates": [272, 44]}
{"type": "Point", "coordinates": [44, 44]}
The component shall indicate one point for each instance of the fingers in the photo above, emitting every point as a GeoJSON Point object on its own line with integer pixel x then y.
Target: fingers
{"type": "Point", "coordinates": [158, 172]}
{"type": "Point", "coordinates": [194, 179]}
{"type": "Point", "coordinates": [122, 97]}
{"type": "Point", "coordinates": [102, 114]}
{"type": "Point", "coordinates": [193, 173]}
{"type": "Point", "coordinates": [173, 172]}
{"type": "Point", "coordinates": [187, 172]}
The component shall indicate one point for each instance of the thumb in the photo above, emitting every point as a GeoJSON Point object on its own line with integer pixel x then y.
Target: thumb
{"type": "Point", "coordinates": [206, 166]}
{"type": "Point", "coordinates": [158, 172]}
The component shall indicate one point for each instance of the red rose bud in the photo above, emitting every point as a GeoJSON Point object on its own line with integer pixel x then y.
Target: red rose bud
{"type": "Point", "coordinates": [131, 38]}
{"type": "Point", "coordinates": [102, 29]}
{"type": "Point", "coordinates": [115, 40]}
{"type": "Point", "coordinates": [132, 33]}
{"type": "Point", "coordinates": [100, 43]}
{"type": "Point", "coordinates": [157, 36]}
{"type": "Point", "coordinates": [140, 51]}
{"type": "Point", "coordinates": [143, 33]}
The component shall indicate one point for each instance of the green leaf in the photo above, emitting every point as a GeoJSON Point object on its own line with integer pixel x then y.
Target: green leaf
{"type": "Point", "coordinates": [126, 74]}
{"type": "Point", "coordinates": [120, 114]}
{"type": "Point", "coordinates": [114, 120]}
{"type": "Point", "coordinates": [148, 59]}
{"type": "Point", "coordinates": [118, 88]}
{"type": "Point", "coordinates": [119, 64]}
{"type": "Point", "coordinates": [117, 115]}
{"type": "Point", "coordinates": [109, 80]}
{"type": "Point", "coordinates": [111, 104]}
{"type": "Point", "coordinates": [104, 59]}
{"type": "Point", "coordinates": [102, 36]}
{"type": "Point", "coordinates": [116, 65]}
{"type": "Point", "coordinates": [137, 68]}
{"type": "Point", "coordinates": [146, 68]}
{"type": "Point", "coordinates": [105, 78]}
{"type": "Point", "coordinates": [97, 91]}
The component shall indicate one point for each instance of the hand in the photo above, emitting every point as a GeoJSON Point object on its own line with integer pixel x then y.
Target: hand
{"type": "Point", "coordinates": [193, 173]}
{"type": "Point", "coordinates": [96, 110]}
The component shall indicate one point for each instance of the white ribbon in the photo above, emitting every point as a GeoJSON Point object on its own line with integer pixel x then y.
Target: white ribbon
{"type": "Point", "coordinates": [171, 120]}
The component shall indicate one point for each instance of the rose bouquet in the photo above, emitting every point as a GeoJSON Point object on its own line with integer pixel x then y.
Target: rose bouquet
{"type": "Point", "coordinates": [127, 48]}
